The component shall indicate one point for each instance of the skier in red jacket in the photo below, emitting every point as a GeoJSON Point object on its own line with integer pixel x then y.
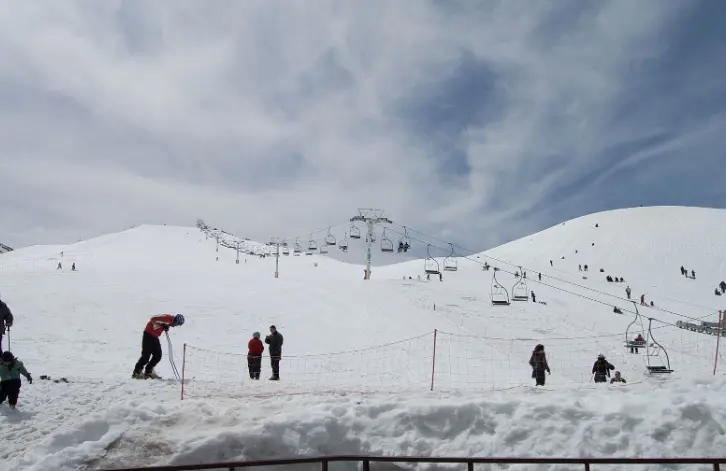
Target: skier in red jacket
{"type": "Point", "coordinates": [255, 347]}
{"type": "Point", "coordinates": [151, 346]}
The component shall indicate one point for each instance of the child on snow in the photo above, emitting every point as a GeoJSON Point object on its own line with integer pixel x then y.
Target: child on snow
{"type": "Point", "coordinates": [151, 346]}
{"type": "Point", "coordinates": [10, 370]}
{"type": "Point", "coordinates": [617, 378]}
{"type": "Point", "coordinates": [255, 347]}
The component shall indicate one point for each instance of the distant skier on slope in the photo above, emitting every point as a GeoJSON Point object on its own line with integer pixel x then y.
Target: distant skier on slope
{"type": "Point", "coordinates": [601, 369]}
{"type": "Point", "coordinates": [538, 362]}
{"type": "Point", "coordinates": [628, 291]}
{"type": "Point", "coordinates": [275, 340]}
{"type": "Point", "coordinates": [255, 347]}
{"type": "Point", "coordinates": [10, 370]}
{"type": "Point", "coordinates": [151, 346]}
{"type": "Point", "coordinates": [6, 321]}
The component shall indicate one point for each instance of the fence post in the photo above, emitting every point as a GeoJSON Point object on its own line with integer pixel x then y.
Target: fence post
{"type": "Point", "coordinates": [324, 464]}
{"type": "Point", "coordinates": [184, 364]}
{"type": "Point", "coordinates": [366, 465]}
{"type": "Point", "coordinates": [433, 362]}
{"type": "Point", "coordinates": [718, 340]}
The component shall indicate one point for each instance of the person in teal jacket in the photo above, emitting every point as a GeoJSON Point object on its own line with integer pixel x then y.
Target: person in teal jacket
{"type": "Point", "coordinates": [10, 370]}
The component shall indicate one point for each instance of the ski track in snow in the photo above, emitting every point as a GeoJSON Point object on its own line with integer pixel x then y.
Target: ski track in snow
{"type": "Point", "coordinates": [371, 397]}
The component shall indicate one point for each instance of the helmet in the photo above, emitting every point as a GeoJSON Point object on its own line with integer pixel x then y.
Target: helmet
{"type": "Point", "coordinates": [601, 357]}
{"type": "Point", "coordinates": [256, 335]}
{"type": "Point", "coordinates": [178, 320]}
{"type": "Point", "coordinates": [7, 356]}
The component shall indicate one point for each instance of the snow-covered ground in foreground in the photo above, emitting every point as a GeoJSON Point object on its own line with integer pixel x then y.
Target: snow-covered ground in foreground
{"type": "Point", "coordinates": [358, 356]}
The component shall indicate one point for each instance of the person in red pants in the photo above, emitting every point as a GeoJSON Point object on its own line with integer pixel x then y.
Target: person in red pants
{"type": "Point", "coordinates": [151, 346]}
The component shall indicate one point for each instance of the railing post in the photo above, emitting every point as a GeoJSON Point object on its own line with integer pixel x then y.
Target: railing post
{"type": "Point", "coordinates": [366, 465]}
{"type": "Point", "coordinates": [433, 363]}
{"type": "Point", "coordinates": [587, 466]}
{"type": "Point", "coordinates": [324, 465]}
{"type": "Point", "coordinates": [232, 468]}
{"type": "Point", "coordinates": [470, 466]}
{"type": "Point", "coordinates": [716, 467]}
{"type": "Point", "coordinates": [184, 364]}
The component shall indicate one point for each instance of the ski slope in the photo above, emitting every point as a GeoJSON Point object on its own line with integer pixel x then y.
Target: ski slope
{"type": "Point", "coordinates": [358, 356]}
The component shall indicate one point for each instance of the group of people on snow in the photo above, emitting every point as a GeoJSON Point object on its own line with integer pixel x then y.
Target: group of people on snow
{"type": "Point", "coordinates": [722, 288]}
{"type": "Point", "coordinates": [11, 368]}
{"type": "Point", "coordinates": [684, 272]}
{"type": "Point", "coordinates": [600, 369]}
{"type": "Point", "coordinates": [255, 348]}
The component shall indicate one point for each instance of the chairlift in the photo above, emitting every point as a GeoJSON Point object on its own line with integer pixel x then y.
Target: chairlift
{"type": "Point", "coordinates": [312, 245]}
{"type": "Point", "coordinates": [629, 342]}
{"type": "Point", "coordinates": [343, 244]}
{"type": "Point", "coordinates": [519, 290]}
{"type": "Point", "coordinates": [297, 249]}
{"type": "Point", "coordinates": [450, 262]}
{"type": "Point", "coordinates": [431, 266]}
{"type": "Point", "coordinates": [654, 363]}
{"type": "Point", "coordinates": [404, 242]}
{"type": "Point", "coordinates": [354, 232]}
{"type": "Point", "coordinates": [285, 250]}
{"type": "Point", "coordinates": [329, 239]}
{"type": "Point", "coordinates": [386, 243]}
{"type": "Point", "coordinates": [324, 248]}
{"type": "Point", "coordinates": [499, 294]}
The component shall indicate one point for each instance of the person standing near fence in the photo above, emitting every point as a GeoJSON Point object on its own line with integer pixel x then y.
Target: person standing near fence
{"type": "Point", "coordinates": [538, 362]}
{"type": "Point", "coordinates": [6, 321]}
{"type": "Point", "coordinates": [255, 347]}
{"type": "Point", "coordinates": [274, 340]}
{"type": "Point", "coordinates": [151, 346]}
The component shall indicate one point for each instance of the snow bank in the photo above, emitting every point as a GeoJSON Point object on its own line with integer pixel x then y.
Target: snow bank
{"type": "Point", "coordinates": [607, 421]}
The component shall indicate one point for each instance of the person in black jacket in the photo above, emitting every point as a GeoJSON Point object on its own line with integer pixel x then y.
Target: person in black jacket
{"type": "Point", "coordinates": [6, 321]}
{"type": "Point", "coordinates": [601, 369]}
{"type": "Point", "coordinates": [274, 340]}
{"type": "Point", "coordinates": [538, 362]}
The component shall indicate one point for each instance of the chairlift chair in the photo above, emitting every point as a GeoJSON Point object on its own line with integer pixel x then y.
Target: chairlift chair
{"type": "Point", "coordinates": [285, 250]}
{"type": "Point", "coordinates": [329, 239]}
{"type": "Point", "coordinates": [324, 248]}
{"type": "Point", "coordinates": [312, 245]}
{"type": "Point", "coordinates": [386, 243]}
{"type": "Point", "coordinates": [343, 244]}
{"type": "Point", "coordinates": [297, 249]}
{"type": "Point", "coordinates": [431, 266]}
{"type": "Point", "coordinates": [405, 241]}
{"type": "Point", "coordinates": [654, 363]}
{"type": "Point", "coordinates": [498, 293]}
{"type": "Point", "coordinates": [629, 342]}
{"type": "Point", "coordinates": [450, 262]}
{"type": "Point", "coordinates": [354, 232]}
{"type": "Point", "coordinates": [519, 290]}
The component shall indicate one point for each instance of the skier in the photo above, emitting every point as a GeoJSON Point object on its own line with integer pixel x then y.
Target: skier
{"type": "Point", "coordinates": [638, 342]}
{"type": "Point", "coordinates": [275, 340]}
{"type": "Point", "coordinates": [10, 370]}
{"type": "Point", "coordinates": [73, 267]}
{"type": "Point", "coordinates": [628, 291]}
{"type": "Point", "coordinates": [6, 321]}
{"type": "Point", "coordinates": [579, 267]}
{"type": "Point", "coordinates": [683, 270]}
{"type": "Point", "coordinates": [60, 266]}
{"type": "Point", "coordinates": [538, 362]}
{"type": "Point", "coordinates": [617, 378]}
{"type": "Point", "coordinates": [255, 348]}
{"type": "Point", "coordinates": [693, 274]}
{"type": "Point", "coordinates": [642, 300]}
{"type": "Point", "coordinates": [722, 285]}
{"type": "Point", "coordinates": [540, 276]}
{"type": "Point", "coordinates": [534, 298]}
{"type": "Point", "coordinates": [151, 346]}
{"type": "Point", "coordinates": [601, 369]}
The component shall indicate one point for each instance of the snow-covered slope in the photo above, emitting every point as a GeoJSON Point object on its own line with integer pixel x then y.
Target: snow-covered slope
{"type": "Point", "coordinates": [358, 356]}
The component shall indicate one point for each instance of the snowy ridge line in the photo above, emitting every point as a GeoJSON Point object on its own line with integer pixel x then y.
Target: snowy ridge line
{"type": "Point", "coordinates": [314, 355]}
{"type": "Point", "coordinates": [628, 301]}
{"type": "Point", "coordinates": [538, 339]}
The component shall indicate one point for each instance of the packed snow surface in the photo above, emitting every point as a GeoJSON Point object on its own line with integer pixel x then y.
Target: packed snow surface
{"type": "Point", "coordinates": [358, 359]}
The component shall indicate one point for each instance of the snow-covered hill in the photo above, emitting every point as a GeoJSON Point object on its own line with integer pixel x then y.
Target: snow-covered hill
{"type": "Point", "coordinates": [358, 356]}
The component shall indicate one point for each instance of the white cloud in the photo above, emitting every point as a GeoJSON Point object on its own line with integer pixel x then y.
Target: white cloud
{"type": "Point", "coordinates": [282, 117]}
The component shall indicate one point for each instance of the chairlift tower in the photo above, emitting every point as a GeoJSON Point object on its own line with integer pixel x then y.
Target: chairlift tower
{"type": "Point", "coordinates": [237, 244]}
{"type": "Point", "coordinates": [370, 217]}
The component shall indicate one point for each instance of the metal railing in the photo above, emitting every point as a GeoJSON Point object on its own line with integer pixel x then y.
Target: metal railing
{"type": "Point", "coordinates": [366, 461]}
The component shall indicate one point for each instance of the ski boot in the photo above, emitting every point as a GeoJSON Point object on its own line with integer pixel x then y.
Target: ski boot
{"type": "Point", "coordinates": [151, 375]}
{"type": "Point", "coordinates": [137, 375]}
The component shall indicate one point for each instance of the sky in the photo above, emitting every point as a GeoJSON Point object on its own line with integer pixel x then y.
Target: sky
{"type": "Point", "coordinates": [475, 122]}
